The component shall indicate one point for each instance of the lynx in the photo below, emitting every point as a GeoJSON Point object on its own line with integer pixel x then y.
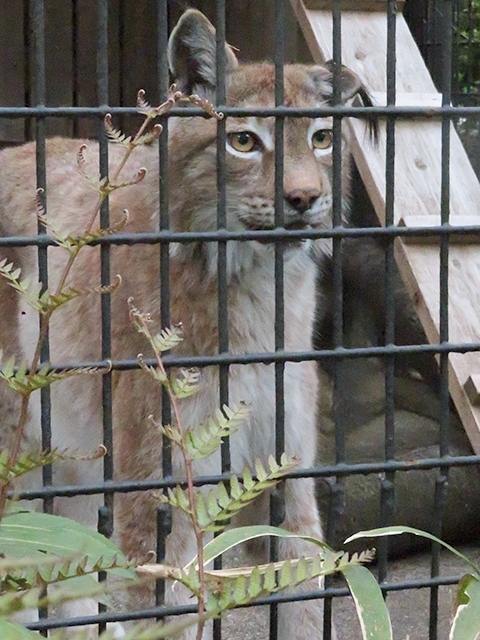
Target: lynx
{"type": "Point", "coordinates": [75, 334]}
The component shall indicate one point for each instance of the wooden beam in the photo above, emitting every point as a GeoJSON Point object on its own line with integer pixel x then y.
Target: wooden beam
{"type": "Point", "coordinates": [417, 185]}
{"type": "Point", "coordinates": [353, 5]}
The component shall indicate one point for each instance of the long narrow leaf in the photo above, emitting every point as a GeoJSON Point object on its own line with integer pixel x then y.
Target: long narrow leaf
{"type": "Point", "coordinates": [233, 537]}
{"type": "Point", "coordinates": [10, 631]}
{"type": "Point", "coordinates": [371, 608]}
{"type": "Point", "coordinates": [466, 624]}
{"type": "Point", "coordinates": [397, 530]}
{"type": "Point", "coordinates": [28, 534]}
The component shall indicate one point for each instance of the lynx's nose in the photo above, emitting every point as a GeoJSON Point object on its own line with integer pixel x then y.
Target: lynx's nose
{"type": "Point", "coordinates": [302, 199]}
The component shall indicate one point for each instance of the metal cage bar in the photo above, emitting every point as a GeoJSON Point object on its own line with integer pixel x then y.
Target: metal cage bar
{"type": "Point", "coordinates": [388, 467]}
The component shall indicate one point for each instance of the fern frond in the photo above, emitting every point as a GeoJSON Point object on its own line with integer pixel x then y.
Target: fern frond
{"type": "Point", "coordinates": [176, 497]}
{"type": "Point", "coordinates": [233, 587]}
{"type": "Point", "coordinates": [143, 106]}
{"type": "Point", "coordinates": [25, 383]}
{"type": "Point", "coordinates": [115, 135]}
{"type": "Point", "coordinates": [219, 505]}
{"type": "Point", "coordinates": [168, 338]}
{"type": "Point", "coordinates": [187, 385]}
{"type": "Point", "coordinates": [82, 167]}
{"type": "Point", "coordinates": [26, 462]}
{"type": "Point", "coordinates": [59, 234]}
{"type": "Point", "coordinates": [71, 243]}
{"type": "Point", "coordinates": [204, 104]}
{"type": "Point", "coordinates": [204, 440]}
{"type": "Point", "coordinates": [155, 372]}
{"type": "Point", "coordinates": [172, 433]}
{"type": "Point", "coordinates": [150, 136]}
{"type": "Point", "coordinates": [50, 301]}
{"type": "Point", "coordinates": [106, 187]}
{"type": "Point", "coordinates": [28, 290]}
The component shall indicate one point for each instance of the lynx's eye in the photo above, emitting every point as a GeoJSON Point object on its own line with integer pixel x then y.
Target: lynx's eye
{"type": "Point", "coordinates": [244, 141]}
{"type": "Point", "coordinates": [322, 139]}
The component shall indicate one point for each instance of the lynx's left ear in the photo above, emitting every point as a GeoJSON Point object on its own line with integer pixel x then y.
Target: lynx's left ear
{"type": "Point", "coordinates": [350, 85]}
{"type": "Point", "coordinates": [192, 53]}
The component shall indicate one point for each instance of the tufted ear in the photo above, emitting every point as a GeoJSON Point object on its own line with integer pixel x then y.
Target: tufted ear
{"type": "Point", "coordinates": [192, 53]}
{"type": "Point", "coordinates": [350, 85]}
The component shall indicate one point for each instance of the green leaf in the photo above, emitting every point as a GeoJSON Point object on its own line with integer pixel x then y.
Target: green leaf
{"type": "Point", "coordinates": [13, 601]}
{"type": "Point", "coordinates": [371, 608]}
{"type": "Point", "coordinates": [219, 507]}
{"type": "Point", "coordinates": [255, 583]}
{"type": "Point", "coordinates": [168, 338]}
{"type": "Point", "coordinates": [204, 440]}
{"type": "Point", "coordinates": [10, 631]}
{"type": "Point", "coordinates": [229, 539]}
{"type": "Point", "coordinates": [397, 530]}
{"type": "Point", "coordinates": [25, 463]}
{"type": "Point", "coordinates": [466, 623]}
{"type": "Point", "coordinates": [187, 385]}
{"type": "Point", "coordinates": [25, 384]}
{"type": "Point", "coordinates": [28, 534]}
{"type": "Point", "coordinates": [29, 291]}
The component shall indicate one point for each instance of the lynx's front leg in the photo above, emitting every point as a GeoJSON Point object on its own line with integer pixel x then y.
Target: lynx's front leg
{"type": "Point", "coordinates": [181, 549]}
{"type": "Point", "coordinates": [301, 620]}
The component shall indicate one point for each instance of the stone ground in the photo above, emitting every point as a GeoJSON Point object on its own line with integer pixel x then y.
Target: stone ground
{"type": "Point", "coordinates": [409, 610]}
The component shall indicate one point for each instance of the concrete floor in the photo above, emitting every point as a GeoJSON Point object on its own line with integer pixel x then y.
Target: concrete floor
{"type": "Point", "coordinates": [409, 610]}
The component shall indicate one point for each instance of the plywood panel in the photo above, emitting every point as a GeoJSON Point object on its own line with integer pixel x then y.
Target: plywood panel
{"type": "Point", "coordinates": [418, 151]}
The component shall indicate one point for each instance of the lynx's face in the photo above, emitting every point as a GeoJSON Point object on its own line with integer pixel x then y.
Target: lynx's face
{"type": "Point", "coordinates": [250, 150]}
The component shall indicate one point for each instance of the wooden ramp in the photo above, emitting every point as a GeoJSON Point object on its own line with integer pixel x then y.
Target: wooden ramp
{"type": "Point", "coordinates": [417, 181]}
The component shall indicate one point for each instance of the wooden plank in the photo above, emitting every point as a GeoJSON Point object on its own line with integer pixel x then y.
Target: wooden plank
{"type": "Point", "coordinates": [402, 99]}
{"type": "Point", "coordinates": [353, 5]}
{"type": "Point", "coordinates": [417, 185]}
{"type": "Point", "coordinates": [472, 389]}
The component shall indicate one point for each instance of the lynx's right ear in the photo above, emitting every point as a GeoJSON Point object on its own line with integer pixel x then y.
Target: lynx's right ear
{"type": "Point", "coordinates": [192, 53]}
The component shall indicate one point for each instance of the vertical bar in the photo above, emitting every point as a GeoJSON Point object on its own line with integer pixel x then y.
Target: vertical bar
{"type": "Point", "coordinates": [122, 39]}
{"type": "Point", "coordinates": [442, 479]}
{"type": "Point", "coordinates": [222, 277]}
{"type": "Point", "coordinates": [37, 23]}
{"type": "Point", "coordinates": [277, 497]}
{"type": "Point", "coordinates": [105, 520]}
{"type": "Point", "coordinates": [27, 98]}
{"type": "Point", "coordinates": [336, 495]}
{"type": "Point", "coordinates": [220, 65]}
{"type": "Point", "coordinates": [387, 495]}
{"type": "Point", "coordinates": [38, 29]}
{"type": "Point", "coordinates": [163, 513]}
{"type": "Point", "coordinates": [75, 72]}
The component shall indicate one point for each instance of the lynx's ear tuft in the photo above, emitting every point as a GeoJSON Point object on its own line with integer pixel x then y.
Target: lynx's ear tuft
{"type": "Point", "coordinates": [192, 53]}
{"type": "Point", "coordinates": [350, 85]}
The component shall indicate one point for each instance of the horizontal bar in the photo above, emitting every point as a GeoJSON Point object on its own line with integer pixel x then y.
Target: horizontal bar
{"type": "Point", "coordinates": [241, 112]}
{"type": "Point", "coordinates": [273, 235]}
{"type": "Point", "coordinates": [352, 5]}
{"type": "Point", "coordinates": [163, 612]}
{"type": "Point", "coordinates": [330, 471]}
{"type": "Point", "coordinates": [340, 353]}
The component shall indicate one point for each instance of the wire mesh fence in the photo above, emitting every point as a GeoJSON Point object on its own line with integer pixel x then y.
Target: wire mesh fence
{"type": "Point", "coordinates": [385, 411]}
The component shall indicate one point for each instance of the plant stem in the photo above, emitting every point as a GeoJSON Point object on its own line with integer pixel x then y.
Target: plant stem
{"type": "Point", "coordinates": [189, 477]}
